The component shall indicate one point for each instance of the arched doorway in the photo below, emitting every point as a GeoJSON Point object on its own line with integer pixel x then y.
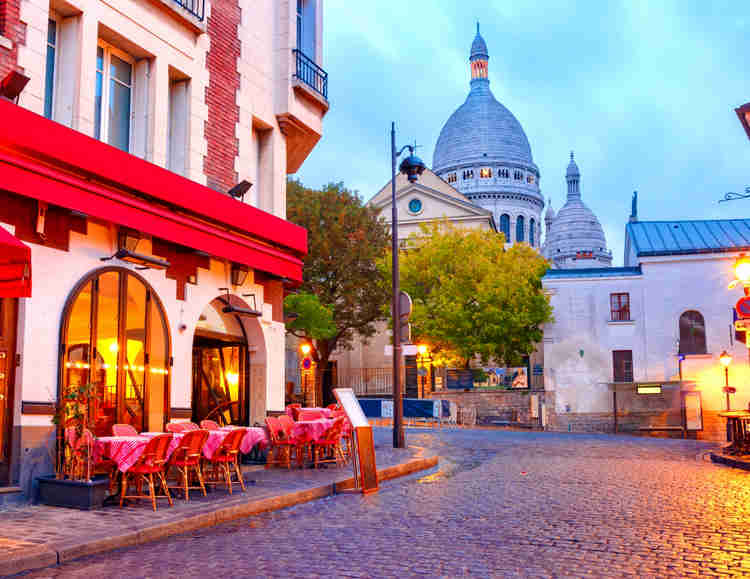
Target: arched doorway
{"type": "Point", "coordinates": [221, 365]}
{"type": "Point", "coordinates": [115, 335]}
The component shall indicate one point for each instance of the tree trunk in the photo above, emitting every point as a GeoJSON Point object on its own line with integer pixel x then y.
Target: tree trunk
{"type": "Point", "coordinates": [324, 384]}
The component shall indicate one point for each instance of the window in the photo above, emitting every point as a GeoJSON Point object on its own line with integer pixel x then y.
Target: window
{"type": "Point", "coordinates": [49, 75]}
{"type": "Point", "coordinates": [115, 336]}
{"type": "Point", "coordinates": [306, 28]}
{"type": "Point", "coordinates": [177, 129]}
{"type": "Point", "coordinates": [518, 175]}
{"type": "Point", "coordinates": [530, 179]}
{"type": "Point", "coordinates": [519, 228]}
{"type": "Point", "coordinates": [415, 206]}
{"type": "Point", "coordinates": [505, 226]}
{"type": "Point", "coordinates": [468, 174]}
{"type": "Point", "coordinates": [692, 333]}
{"type": "Point", "coordinates": [451, 178]}
{"type": "Point", "coordinates": [532, 224]}
{"type": "Point", "coordinates": [619, 307]}
{"type": "Point", "coordinates": [504, 173]}
{"type": "Point", "coordinates": [622, 365]}
{"type": "Point", "coordinates": [114, 87]}
{"type": "Point", "coordinates": [485, 173]}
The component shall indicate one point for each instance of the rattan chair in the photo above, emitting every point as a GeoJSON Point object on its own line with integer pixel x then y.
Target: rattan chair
{"type": "Point", "coordinates": [327, 449]}
{"type": "Point", "coordinates": [282, 444]}
{"type": "Point", "coordinates": [187, 457]}
{"type": "Point", "coordinates": [226, 459]}
{"type": "Point", "coordinates": [152, 462]}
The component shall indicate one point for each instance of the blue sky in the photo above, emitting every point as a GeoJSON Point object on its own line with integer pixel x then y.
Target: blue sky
{"type": "Point", "coordinates": [643, 91]}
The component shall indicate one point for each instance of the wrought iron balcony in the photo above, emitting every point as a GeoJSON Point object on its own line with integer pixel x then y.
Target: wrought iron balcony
{"type": "Point", "coordinates": [196, 7]}
{"type": "Point", "coordinates": [311, 74]}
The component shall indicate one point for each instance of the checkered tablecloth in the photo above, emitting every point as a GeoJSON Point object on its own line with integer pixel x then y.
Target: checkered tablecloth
{"type": "Point", "coordinates": [126, 450]}
{"type": "Point", "coordinates": [311, 430]}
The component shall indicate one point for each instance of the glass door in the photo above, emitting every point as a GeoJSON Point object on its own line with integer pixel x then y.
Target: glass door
{"type": "Point", "coordinates": [8, 317]}
{"type": "Point", "coordinates": [220, 385]}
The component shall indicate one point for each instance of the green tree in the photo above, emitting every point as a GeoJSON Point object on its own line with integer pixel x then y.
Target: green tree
{"type": "Point", "coordinates": [472, 297]}
{"type": "Point", "coordinates": [345, 240]}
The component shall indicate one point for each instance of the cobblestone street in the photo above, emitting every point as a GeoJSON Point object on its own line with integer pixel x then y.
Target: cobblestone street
{"type": "Point", "coordinates": [502, 504]}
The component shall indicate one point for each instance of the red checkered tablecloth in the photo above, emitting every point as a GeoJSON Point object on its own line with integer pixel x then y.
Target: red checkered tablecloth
{"type": "Point", "coordinates": [311, 430]}
{"type": "Point", "coordinates": [126, 450]}
{"type": "Point", "coordinates": [254, 435]}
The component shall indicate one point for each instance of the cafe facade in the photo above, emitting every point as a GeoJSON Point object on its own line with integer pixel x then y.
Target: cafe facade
{"type": "Point", "coordinates": [143, 242]}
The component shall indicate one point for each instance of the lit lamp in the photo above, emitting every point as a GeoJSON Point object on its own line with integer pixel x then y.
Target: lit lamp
{"type": "Point", "coordinates": [741, 272]}
{"type": "Point", "coordinates": [725, 360]}
{"type": "Point", "coordinates": [305, 349]}
{"type": "Point", "coordinates": [412, 166]}
{"type": "Point", "coordinates": [128, 239]}
{"type": "Point", "coordinates": [422, 349]}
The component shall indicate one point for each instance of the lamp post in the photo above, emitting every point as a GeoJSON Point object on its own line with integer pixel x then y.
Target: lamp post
{"type": "Point", "coordinates": [725, 360]}
{"type": "Point", "coordinates": [412, 166]}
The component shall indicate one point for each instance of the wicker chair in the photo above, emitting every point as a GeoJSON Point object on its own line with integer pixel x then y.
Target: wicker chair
{"type": "Point", "coordinates": [301, 449]}
{"type": "Point", "coordinates": [226, 459]}
{"type": "Point", "coordinates": [329, 445]}
{"type": "Point", "coordinates": [124, 430]}
{"type": "Point", "coordinates": [209, 425]}
{"type": "Point", "coordinates": [187, 457]}
{"type": "Point", "coordinates": [281, 444]}
{"type": "Point", "coordinates": [151, 462]}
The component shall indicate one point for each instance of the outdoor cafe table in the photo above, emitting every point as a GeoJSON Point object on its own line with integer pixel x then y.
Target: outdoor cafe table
{"type": "Point", "coordinates": [253, 435]}
{"type": "Point", "coordinates": [325, 412]}
{"type": "Point", "coordinates": [311, 430]}
{"type": "Point", "coordinates": [126, 450]}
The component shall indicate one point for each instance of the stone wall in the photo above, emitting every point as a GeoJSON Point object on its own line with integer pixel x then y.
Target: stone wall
{"type": "Point", "coordinates": [512, 407]}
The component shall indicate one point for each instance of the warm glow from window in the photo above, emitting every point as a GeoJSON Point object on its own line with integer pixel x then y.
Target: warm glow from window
{"type": "Point", "coordinates": [485, 173]}
{"type": "Point", "coordinates": [233, 378]}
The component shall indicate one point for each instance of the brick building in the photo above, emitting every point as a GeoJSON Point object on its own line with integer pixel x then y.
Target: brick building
{"type": "Point", "coordinates": [144, 148]}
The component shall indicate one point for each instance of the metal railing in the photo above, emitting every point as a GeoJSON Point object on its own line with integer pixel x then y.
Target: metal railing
{"type": "Point", "coordinates": [368, 381]}
{"type": "Point", "coordinates": [196, 7]}
{"type": "Point", "coordinates": [310, 73]}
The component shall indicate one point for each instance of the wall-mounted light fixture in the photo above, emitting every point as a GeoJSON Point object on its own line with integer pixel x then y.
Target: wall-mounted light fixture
{"type": "Point", "coordinates": [239, 310]}
{"type": "Point", "coordinates": [127, 242]}
{"type": "Point", "coordinates": [239, 190]}
{"type": "Point", "coordinates": [13, 84]}
{"type": "Point", "coordinates": [128, 239]}
{"type": "Point", "coordinates": [239, 274]}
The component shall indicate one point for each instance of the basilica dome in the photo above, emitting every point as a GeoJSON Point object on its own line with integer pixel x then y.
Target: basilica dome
{"type": "Point", "coordinates": [574, 237]}
{"type": "Point", "coordinates": [483, 152]}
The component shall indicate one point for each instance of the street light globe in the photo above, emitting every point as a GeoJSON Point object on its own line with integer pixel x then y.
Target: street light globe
{"type": "Point", "coordinates": [422, 349]}
{"type": "Point", "coordinates": [305, 349]}
{"type": "Point", "coordinates": [742, 270]}
{"type": "Point", "coordinates": [412, 167]}
{"type": "Point", "coordinates": [725, 359]}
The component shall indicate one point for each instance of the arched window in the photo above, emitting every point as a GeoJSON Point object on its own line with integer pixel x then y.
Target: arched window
{"type": "Point", "coordinates": [505, 226]}
{"type": "Point", "coordinates": [692, 333]}
{"type": "Point", "coordinates": [519, 228]}
{"type": "Point", "coordinates": [115, 336]}
{"type": "Point", "coordinates": [532, 224]}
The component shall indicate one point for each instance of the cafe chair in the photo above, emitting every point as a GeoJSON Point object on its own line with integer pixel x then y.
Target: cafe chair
{"type": "Point", "coordinates": [281, 444]}
{"type": "Point", "coordinates": [293, 410]}
{"type": "Point", "coordinates": [182, 426]}
{"type": "Point", "coordinates": [301, 449]}
{"type": "Point", "coordinates": [327, 449]}
{"type": "Point", "coordinates": [209, 425]}
{"type": "Point", "coordinates": [124, 430]}
{"type": "Point", "coordinates": [152, 462]}
{"type": "Point", "coordinates": [226, 459]}
{"type": "Point", "coordinates": [187, 457]}
{"type": "Point", "coordinates": [310, 415]}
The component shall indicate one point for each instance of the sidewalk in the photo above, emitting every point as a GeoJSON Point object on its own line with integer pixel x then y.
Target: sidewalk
{"type": "Point", "coordinates": [37, 536]}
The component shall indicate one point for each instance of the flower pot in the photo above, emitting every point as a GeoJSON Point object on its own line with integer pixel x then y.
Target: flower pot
{"type": "Point", "coordinates": [72, 493]}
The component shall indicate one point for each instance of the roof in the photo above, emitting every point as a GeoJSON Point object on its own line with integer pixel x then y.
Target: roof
{"type": "Point", "coordinates": [652, 238]}
{"type": "Point", "coordinates": [593, 272]}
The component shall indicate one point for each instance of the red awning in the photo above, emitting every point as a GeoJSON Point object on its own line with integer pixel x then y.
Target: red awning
{"type": "Point", "coordinates": [15, 267]}
{"type": "Point", "coordinates": [69, 169]}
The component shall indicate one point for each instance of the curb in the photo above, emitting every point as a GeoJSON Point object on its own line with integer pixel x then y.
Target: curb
{"type": "Point", "coordinates": [729, 461]}
{"type": "Point", "coordinates": [38, 557]}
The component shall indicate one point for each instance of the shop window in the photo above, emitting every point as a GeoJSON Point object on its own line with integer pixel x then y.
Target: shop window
{"type": "Point", "coordinates": [115, 337]}
{"type": "Point", "coordinates": [622, 365]}
{"type": "Point", "coordinates": [692, 333]}
{"type": "Point", "coordinates": [619, 307]}
{"type": "Point", "coordinates": [114, 96]}
{"type": "Point", "coordinates": [519, 228]}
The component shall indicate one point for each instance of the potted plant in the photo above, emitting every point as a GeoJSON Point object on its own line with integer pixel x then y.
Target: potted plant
{"type": "Point", "coordinates": [74, 484]}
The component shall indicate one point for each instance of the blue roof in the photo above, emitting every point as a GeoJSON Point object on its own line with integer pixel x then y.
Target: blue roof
{"type": "Point", "coordinates": [592, 272]}
{"type": "Point", "coordinates": [686, 237]}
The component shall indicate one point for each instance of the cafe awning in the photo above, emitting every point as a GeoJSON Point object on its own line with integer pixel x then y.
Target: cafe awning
{"type": "Point", "coordinates": [15, 267]}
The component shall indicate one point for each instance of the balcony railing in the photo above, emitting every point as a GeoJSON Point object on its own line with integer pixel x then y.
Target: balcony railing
{"type": "Point", "coordinates": [196, 7]}
{"type": "Point", "coordinates": [311, 74]}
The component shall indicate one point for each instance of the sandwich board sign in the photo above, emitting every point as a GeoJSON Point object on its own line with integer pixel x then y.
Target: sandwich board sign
{"type": "Point", "coordinates": [363, 455]}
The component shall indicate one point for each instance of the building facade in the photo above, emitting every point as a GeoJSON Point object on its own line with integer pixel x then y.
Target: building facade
{"type": "Point", "coordinates": [483, 152]}
{"type": "Point", "coordinates": [143, 153]}
{"type": "Point", "coordinates": [663, 318]}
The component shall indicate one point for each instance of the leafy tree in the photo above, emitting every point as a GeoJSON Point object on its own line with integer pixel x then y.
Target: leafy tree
{"type": "Point", "coordinates": [472, 297]}
{"type": "Point", "coordinates": [313, 319]}
{"type": "Point", "coordinates": [345, 239]}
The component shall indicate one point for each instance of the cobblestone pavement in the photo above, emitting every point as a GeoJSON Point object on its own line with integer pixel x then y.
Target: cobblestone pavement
{"type": "Point", "coordinates": [502, 504]}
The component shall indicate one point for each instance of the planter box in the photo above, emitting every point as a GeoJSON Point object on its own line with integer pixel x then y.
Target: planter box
{"type": "Point", "coordinates": [73, 494]}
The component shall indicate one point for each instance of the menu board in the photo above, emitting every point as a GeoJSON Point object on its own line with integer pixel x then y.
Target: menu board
{"type": "Point", "coordinates": [365, 469]}
{"type": "Point", "coordinates": [348, 400]}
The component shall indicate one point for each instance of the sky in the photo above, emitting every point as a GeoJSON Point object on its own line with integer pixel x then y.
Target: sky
{"type": "Point", "coordinates": [644, 92]}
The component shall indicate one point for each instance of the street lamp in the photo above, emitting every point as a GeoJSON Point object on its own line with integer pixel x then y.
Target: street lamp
{"type": "Point", "coordinates": [412, 166]}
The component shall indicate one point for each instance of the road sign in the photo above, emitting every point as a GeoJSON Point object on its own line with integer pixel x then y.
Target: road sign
{"type": "Point", "coordinates": [742, 325]}
{"type": "Point", "coordinates": [743, 307]}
